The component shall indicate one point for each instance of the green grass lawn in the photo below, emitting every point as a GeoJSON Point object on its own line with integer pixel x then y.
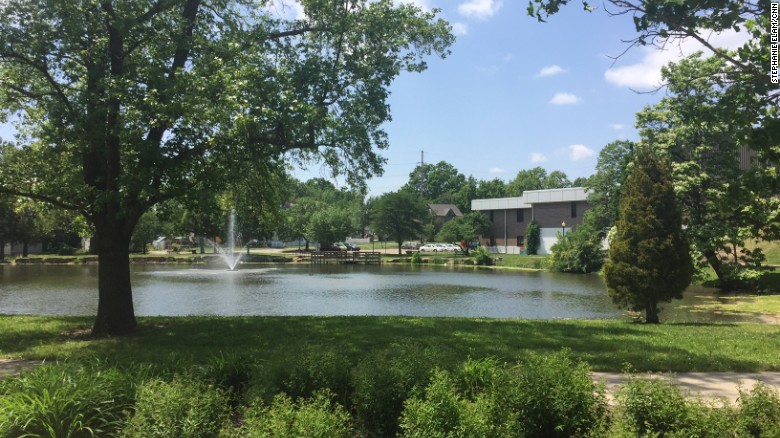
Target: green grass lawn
{"type": "Point", "coordinates": [605, 345]}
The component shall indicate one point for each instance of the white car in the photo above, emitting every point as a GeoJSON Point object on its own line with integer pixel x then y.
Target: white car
{"type": "Point", "coordinates": [432, 247]}
{"type": "Point", "coordinates": [451, 247]}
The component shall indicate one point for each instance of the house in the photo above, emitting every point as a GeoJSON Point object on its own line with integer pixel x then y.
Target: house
{"type": "Point", "coordinates": [444, 212]}
{"type": "Point", "coordinates": [556, 211]}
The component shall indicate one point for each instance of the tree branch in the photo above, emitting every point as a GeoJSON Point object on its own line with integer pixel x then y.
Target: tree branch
{"type": "Point", "coordinates": [43, 69]}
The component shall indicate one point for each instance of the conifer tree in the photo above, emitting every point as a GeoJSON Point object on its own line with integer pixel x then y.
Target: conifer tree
{"type": "Point", "coordinates": [649, 257]}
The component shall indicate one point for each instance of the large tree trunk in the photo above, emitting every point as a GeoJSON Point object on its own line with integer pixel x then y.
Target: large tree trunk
{"type": "Point", "coordinates": [2, 250]}
{"type": "Point", "coordinates": [651, 313]}
{"type": "Point", "coordinates": [115, 315]}
{"type": "Point", "coordinates": [25, 248]}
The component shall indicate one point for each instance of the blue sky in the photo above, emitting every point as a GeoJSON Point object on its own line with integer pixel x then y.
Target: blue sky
{"type": "Point", "coordinates": [516, 94]}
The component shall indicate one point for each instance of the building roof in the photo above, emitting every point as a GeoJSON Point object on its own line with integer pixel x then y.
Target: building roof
{"type": "Point", "coordinates": [443, 210]}
{"type": "Point", "coordinates": [531, 197]}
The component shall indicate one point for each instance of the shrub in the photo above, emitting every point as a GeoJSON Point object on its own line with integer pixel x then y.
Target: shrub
{"type": "Point", "coordinates": [474, 401]}
{"type": "Point", "coordinates": [64, 401]}
{"type": "Point", "coordinates": [183, 407]}
{"type": "Point", "coordinates": [652, 406]}
{"type": "Point", "coordinates": [482, 257]}
{"type": "Point", "coordinates": [557, 397]}
{"type": "Point", "coordinates": [230, 372]}
{"type": "Point", "coordinates": [315, 417]}
{"type": "Point", "coordinates": [578, 252]}
{"type": "Point", "coordinates": [759, 413]}
{"type": "Point", "coordinates": [308, 370]}
{"type": "Point", "coordinates": [416, 258]}
{"type": "Point", "coordinates": [385, 379]}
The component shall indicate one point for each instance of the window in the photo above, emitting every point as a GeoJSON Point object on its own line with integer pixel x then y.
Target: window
{"type": "Point", "coordinates": [574, 209]}
{"type": "Point", "coordinates": [521, 241]}
{"type": "Point", "coordinates": [520, 215]}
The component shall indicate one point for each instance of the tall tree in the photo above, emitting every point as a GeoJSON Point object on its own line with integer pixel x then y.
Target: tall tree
{"type": "Point", "coordinates": [399, 215]}
{"type": "Point", "coordinates": [494, 188]}
{"type": "Point", "coordinates": [437, 183]}
{"type": "Point", "coordinates": [536, 179]}
{"type": "Point", "coordinates": [132, 102]}
{"type": "Point", "coordinates": [726, 186]}
{"type": "Point", "coordinates": [649, 257]}
{"type": "Point", "coordinates": [527, 179]}
{"type": "Point", "coordinates": [464, 228]}
{"type": "Point", "coordinates": [606, 185]}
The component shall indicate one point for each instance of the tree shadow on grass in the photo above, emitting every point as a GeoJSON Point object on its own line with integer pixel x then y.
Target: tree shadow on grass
{"type": "Point", "coordinates": [605, 345]}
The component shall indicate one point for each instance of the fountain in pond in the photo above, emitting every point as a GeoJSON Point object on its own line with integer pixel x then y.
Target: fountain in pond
{"type": "Point", "coordinates": [228, 252]}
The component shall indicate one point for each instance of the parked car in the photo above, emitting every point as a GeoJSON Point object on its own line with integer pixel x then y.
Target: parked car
{"type": "Point", "coordinates": [351, 246]}
{"type": "Point", "coordinates": [410, 245]}
{"type": "Point", "coordinates": [432, 247]}
{"type": "Point", "coordinates": [451, 247]}
{"type": "Point", "coordinates": [333, 247]}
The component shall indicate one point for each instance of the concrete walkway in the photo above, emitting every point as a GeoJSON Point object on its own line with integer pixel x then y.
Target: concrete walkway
{"type": "Point", "coordinates": [711, 385]}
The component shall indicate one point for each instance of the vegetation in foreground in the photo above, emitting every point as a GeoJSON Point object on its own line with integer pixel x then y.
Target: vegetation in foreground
{"type": "Point", "coordinates": [376, 376]}
{"type": "Point", "coordinates": [400, 390]}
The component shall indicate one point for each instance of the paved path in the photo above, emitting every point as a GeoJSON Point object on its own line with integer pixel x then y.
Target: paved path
{"type": "Point", "coordinates": [707, 385]}
{"type": "Point", "coordinates": [12, 367]}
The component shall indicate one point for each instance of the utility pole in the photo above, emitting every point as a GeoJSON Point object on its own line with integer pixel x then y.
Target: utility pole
{"type": "Point", "coordinates": [421, 173]}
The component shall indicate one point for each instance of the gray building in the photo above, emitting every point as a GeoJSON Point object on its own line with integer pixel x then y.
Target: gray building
{"type": "Point", "coordinates": [556, 211]}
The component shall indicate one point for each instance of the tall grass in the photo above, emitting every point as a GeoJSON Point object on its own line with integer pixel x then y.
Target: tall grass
{"type": "Point", "coordinates": [542, 395]}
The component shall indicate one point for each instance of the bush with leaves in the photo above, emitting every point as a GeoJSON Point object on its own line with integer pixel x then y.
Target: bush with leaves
{"type": "Point", "coordinates": [558, 397]}
{"type": "Point", "coordinates": [446, 410]}
{"type": "Point", "coordinates": [182, 407]}
{"type": "Point", "coordinates": [579, 252]}
{"type": "Point", "coordinates": [659, 407]}
{"type": "Point", "coordinates": [385, 379]}
{"type": "Point", "coordinates": [317, 416]}
{"type": "Point", "coordinates": [759, 413]}
{"type": "Point", "coordinates": [305, 371]}
{"type": "Point", "coordinates": [482, 256]}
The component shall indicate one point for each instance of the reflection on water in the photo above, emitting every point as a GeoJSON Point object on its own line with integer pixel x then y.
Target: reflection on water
{"type": "Point", "coordinates": [328, 290]}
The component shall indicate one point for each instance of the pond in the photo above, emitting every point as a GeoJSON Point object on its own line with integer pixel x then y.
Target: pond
{"type": "Point", "coordinates": [171, 290]}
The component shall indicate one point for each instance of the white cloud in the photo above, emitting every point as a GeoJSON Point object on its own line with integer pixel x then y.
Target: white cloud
{"type": "Point", "coordinates": [287, 9]}
{"type": "Point", "coordinates": [536, 157]}
{"type": "Point", "coordinates": [459, 29]}
{"type": "Point", "coordinates": [646, 74]}
{"type": "Point", "coordinates": [564, 99]}
{"type": "Point", "coordinates": [579, 152]}
{"type": "Point", "coordinates": [496, 170]}
{"type": "Point", "coordinates": [481, 9]}
{"type": "Point", "coordinates": [550, 70]}
{"type": "Point", "coordinates": [616, 126]}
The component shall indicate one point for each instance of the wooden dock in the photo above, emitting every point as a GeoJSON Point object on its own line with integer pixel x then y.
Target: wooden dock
{"type": "Point", "coordinates": [346, 258]}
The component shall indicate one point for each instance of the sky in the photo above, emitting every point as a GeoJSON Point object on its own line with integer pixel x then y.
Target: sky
{"type": "Point", "coordinates": [516, 93]}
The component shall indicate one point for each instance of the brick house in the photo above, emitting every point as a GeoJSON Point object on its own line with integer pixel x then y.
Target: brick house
{"type": "Point", "coordinates": [556, 211]}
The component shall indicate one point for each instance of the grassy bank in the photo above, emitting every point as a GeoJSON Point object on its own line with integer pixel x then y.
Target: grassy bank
{"type": "Point", "coordinates": [605, 345]}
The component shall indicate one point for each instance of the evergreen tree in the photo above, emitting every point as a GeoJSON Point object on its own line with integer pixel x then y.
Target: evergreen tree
{"type": "Point", "coordinates": [649, 257]}
{"type": "Point", "coordinates": [533, 237]}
